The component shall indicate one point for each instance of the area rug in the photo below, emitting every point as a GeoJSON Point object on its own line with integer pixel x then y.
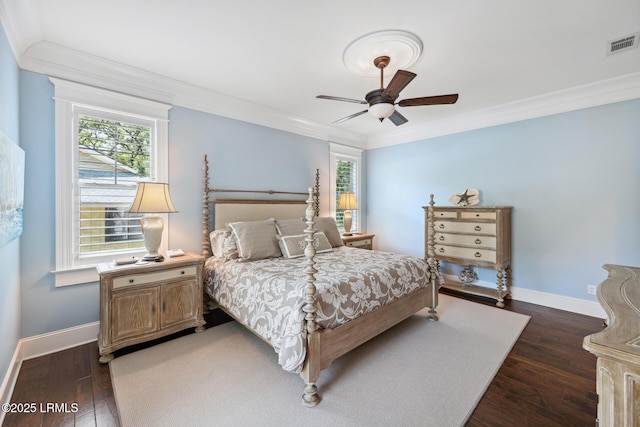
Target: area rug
{"type": "Point", "coordinates": [419, 373]}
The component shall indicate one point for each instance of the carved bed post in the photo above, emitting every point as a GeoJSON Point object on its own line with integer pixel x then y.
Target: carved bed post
{"type": "Point", "coordinates": [311, 369]}
{"type": "Point", "coordinates": [206, 244]}
{"type": "Point", "coordinates": [316, 193]}
{"type": "Point", "coordinates": [434, 268]}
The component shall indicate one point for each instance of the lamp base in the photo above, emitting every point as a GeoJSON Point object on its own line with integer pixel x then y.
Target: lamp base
{"type": "Point", "coordinates": [152, 226]}
{"type": "Point", "coordinates": [346, 221]}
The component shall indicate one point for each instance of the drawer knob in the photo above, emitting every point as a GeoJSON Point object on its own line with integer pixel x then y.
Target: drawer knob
{"type": "Point", "coordinates": [130, 280]}
{"type": "Point", "coordinates": [442, 238]}
{"type": "Point", "coordinates": [478, 254]}
{"type": "Point", "coordinates": [182, 272]}
{"type": "Point", "coordinates": [478, 241]}
{"type": "Point", "coordinates": [441, 225]}
{"type": "Point", "coordinates": [441, 250]}
{"type": "Point", "coordinates": [477, 228]}
{"type": "Point", "coordinates": [477, 214]}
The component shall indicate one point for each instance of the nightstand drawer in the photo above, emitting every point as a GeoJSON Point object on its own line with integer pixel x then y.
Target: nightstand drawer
{"type": "Point", "coordinates": [159, 276]}
{"type": "Point", "coordinates": [364, 243]}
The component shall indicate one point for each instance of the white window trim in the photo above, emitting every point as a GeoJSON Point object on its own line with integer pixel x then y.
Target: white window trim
{"type": "Point", "coordinates": [343, 152]}
{"type": "Point", "coordinates": [70, 96]}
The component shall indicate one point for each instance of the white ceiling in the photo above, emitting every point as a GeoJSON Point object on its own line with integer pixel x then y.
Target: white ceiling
{"type": "Point", "coordinates": [501, 56]}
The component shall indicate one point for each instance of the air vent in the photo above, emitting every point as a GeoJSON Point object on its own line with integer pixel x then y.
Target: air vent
{"type": "Point", "coordinates": [623, 44]}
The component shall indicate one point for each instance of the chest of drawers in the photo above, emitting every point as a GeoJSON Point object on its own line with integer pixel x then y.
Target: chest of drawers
{"type": "Point", "coordinates": [473, 236]}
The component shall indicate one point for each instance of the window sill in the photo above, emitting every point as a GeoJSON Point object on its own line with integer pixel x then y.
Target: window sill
{"type": "Point", "coordinates": [76, 276]}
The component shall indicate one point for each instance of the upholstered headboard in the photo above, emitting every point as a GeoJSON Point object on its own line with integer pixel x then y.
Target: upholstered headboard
{"type": "Point", "coordinates": [232, 210]}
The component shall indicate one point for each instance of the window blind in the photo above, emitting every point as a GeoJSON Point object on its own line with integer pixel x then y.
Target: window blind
{"type": "Point", "coordinates": [346, 180]}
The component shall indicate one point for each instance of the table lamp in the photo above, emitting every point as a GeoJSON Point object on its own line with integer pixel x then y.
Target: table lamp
{"type": "Point", "coordinates": [152, 199]}
{"type": "Point", "coordinates": [348, 203]}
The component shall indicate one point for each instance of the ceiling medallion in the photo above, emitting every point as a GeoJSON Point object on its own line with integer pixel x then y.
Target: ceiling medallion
{"type": "Point", "coordinates": [402, 47]}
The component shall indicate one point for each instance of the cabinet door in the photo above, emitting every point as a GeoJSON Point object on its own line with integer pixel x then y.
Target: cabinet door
{"type": "Point", "coordinates": [134, 313]}
{"type": "Point", "coordinates": [179, 302]}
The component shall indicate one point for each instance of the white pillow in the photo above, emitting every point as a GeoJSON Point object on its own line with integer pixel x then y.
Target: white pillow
{"type": "Point", "coordinates": [223, 244]}
{"type": "Point", "coordinates": [293, 246]}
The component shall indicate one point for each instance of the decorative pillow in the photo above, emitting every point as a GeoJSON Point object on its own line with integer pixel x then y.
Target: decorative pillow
{"type": "Point", "coordinates": [326, 224]}
{"type": "Point", "coordinates": [293, 246]}
{"type": "Point", "coordinates": [290, 227]}
{"type": "Point", "coordinates": [223, 244]}
{"type": "Point", "coordinates": [256, 239]}
{"type": "Point", "coordinates": [216, 238]}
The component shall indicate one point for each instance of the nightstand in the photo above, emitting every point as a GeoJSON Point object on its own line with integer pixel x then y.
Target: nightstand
{"type": "Point", "coordinates": [140, 303]}
{"type": "Point", "coordinates": [359, 240]}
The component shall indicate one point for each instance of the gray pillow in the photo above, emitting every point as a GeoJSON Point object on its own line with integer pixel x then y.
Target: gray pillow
{"type": "Point", "coordinates": [256, 239]}
{"type": "Point", "coordinates": [293, 246]}
{"type": "Point", "coordinates": [290, 227]}
{"type": "Point", "coordinates": [326, 224]}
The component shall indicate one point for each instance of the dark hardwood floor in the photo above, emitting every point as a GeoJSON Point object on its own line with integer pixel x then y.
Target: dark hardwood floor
{"type": "Point", "coordinates": [546, 380]}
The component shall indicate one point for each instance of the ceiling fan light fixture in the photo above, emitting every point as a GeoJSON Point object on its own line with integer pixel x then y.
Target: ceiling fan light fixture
{"type": "Point", "coordinates": [382, 110]}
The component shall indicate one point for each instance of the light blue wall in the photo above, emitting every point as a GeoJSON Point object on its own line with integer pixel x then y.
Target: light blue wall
{"type": "Point", "coordinates": [242, 155]}
{"type": "Point", "coordinates": [10, 253]}
{"type": "Point", "coordinates": [573, 180]}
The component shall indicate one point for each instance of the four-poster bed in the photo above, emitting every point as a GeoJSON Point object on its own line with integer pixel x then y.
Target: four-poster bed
{"type": "Point", "coordinates": [320, 299]}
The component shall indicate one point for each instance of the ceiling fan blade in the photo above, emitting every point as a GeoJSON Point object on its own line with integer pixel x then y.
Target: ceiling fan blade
{"type": "Point", "coordinates": [344, 119]}
{"type": "Point", "coordinates": [397, 118]}
{"type": "Point", "coordinates": [399, 81]}
{"type": "Point", "coordinates": [429, 100]}
{"type": "Point", "coordinates": [338, 98]}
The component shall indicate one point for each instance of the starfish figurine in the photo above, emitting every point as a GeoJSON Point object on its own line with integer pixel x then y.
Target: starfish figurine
{"type": "Point", "coordinates": [470, 197]}
{"type": "Point", "coordinates": [464, 197]}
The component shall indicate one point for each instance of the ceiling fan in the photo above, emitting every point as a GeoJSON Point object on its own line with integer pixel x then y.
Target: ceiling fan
{"type": "Point", "coordinates": [382, 101]}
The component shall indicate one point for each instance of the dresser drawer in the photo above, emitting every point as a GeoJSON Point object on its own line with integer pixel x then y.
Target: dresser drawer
{"type": "Point", "coordinates": [466, 227]}
{"type": "Point", "coordinates": [478, 215]}
{"type": "Point", "coordinates": [486, 255]}
{"type": "Point", "coordinates": [142, 279]}
{"type": "Point", "coordinates": [488, 242]}
{"type": "Point", "coordinates": [445, 214]}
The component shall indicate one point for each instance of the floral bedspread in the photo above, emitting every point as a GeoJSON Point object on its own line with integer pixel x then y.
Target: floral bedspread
{"type": "Point", "coordinates": [267, 295]}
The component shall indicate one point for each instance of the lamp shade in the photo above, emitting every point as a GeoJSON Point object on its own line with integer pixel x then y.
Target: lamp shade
{"type": "Point", "coordinates": [382, 110]}
{"type": "Point", "coordinates": [347, 201]}
{"type": "Point", "coordinates": [152, 197]}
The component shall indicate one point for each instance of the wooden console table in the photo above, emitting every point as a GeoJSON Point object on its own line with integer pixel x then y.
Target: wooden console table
{"type": "Point", "coordinates": [618, 348]}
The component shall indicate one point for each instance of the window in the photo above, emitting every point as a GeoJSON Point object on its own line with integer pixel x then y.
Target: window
{"type": "Point", "coordinates": [105, 144]}
{"type": "Point", "coordinates": [345, 176]}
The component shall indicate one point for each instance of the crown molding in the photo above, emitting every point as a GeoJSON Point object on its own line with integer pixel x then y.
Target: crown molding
{"type": "Point", "coordinates": [603, 92]}
{"type": "Point", "coordinates": [61, 62]}
{"type": "Point", "coordinates": [21, 22]}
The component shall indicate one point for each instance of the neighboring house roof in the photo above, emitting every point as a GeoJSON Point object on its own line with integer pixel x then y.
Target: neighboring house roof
{"type": "Point", "coordinates": [104, 180]}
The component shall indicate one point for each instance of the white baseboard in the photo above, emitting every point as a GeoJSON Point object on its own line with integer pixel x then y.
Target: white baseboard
{"type": "Point", "coordinates": [9, 381]}
{"type": "Point", "coordinates": [63, 339]}
{"type": "Point", "coordinates": [574, 305]}
{"type": "Point", "coordinates": [39, 345]}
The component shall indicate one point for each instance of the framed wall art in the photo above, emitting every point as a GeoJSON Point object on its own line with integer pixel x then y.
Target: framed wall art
{"type": "Point", "coordinates": [11, 189]}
